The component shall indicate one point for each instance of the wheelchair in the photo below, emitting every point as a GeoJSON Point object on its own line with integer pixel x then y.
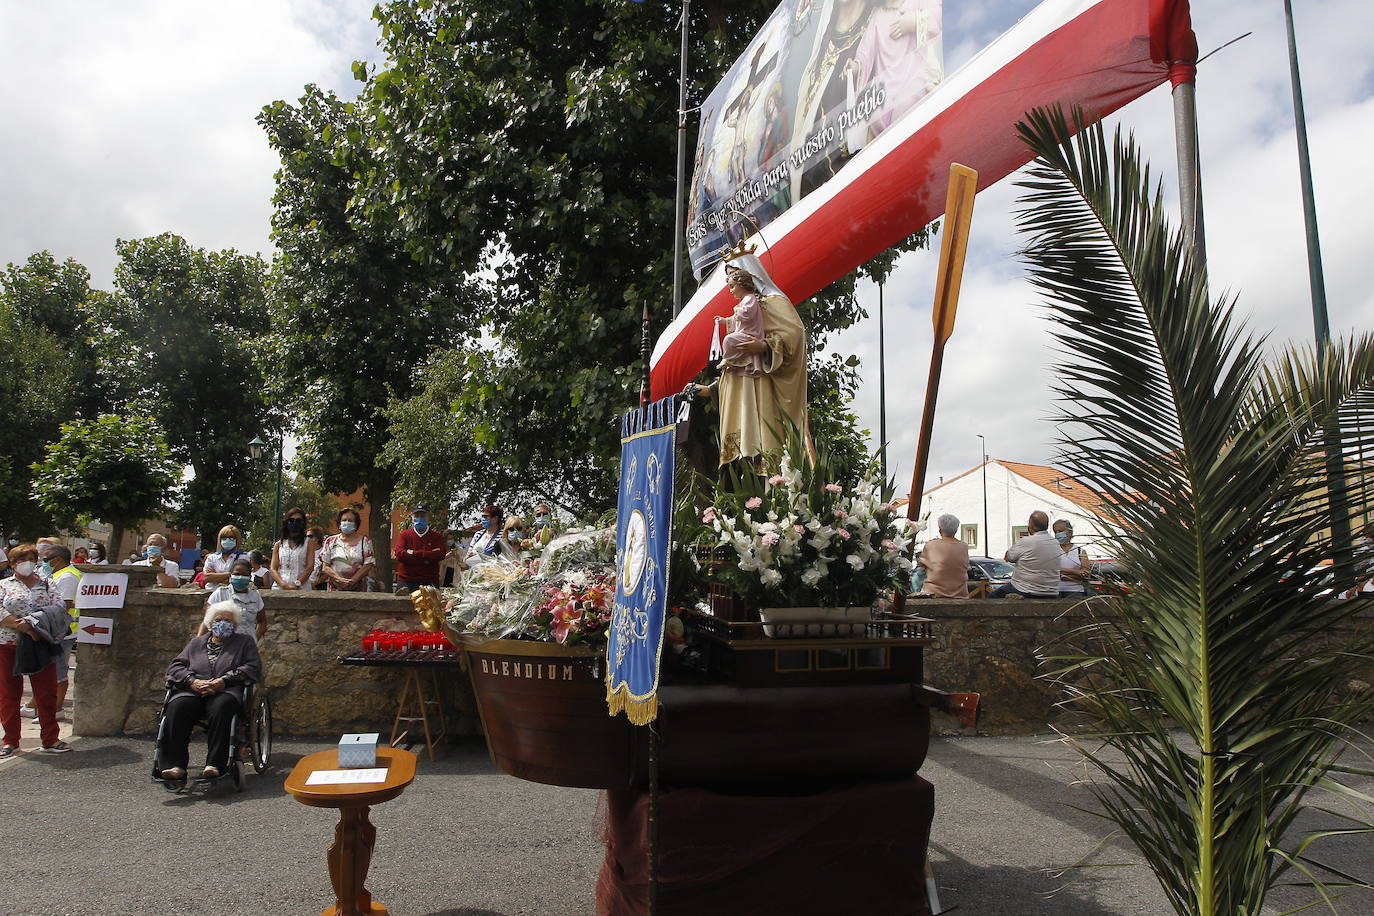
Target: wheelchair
{"type": "Point", "coordinates": [249, 735]}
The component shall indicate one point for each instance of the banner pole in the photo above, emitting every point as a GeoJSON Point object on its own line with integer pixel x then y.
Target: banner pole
{"type": "Point", "coordinates": [678, 228]}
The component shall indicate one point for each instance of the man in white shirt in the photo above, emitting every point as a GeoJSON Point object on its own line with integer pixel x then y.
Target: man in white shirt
{"type": "Point", "coordinates": [1036, 557]}
{"type": "Point", "coordinates": [167, 569]}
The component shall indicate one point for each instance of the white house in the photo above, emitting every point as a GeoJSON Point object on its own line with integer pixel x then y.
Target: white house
{"type": "Point", "coordinates": [1006, 493]}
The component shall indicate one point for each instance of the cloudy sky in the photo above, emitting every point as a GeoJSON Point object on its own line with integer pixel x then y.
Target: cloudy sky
{"type": "Point", "coordinates": [136, 118]}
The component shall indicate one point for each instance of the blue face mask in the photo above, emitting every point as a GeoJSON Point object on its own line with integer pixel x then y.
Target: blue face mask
{"type": "Point", "coordinates": [486, 522]}
{"type": "Point", "coordinates": [541, 520]}
{"type": "Point", "coordinates": [1061, 536]}
{"type": "Point", "coordinates": [239, 583]}
{"type": "Point", "coordinates": [420, 525]}
{"type": "Point", "coordinates": [222, 628]}
{"type": "Point", "coordinates": [227, 544]}
{"type": "Point", "coordinates": [154, 550]}
{"type": "Point", "coordinates": [45, 569]}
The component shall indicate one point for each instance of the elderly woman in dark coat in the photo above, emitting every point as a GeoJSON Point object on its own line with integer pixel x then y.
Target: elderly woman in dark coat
{"type": "Point", "coordinates": [209, 677]}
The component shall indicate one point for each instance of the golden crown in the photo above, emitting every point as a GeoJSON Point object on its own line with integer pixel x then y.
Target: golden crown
{"type": "Point", "coordinates": [728, 254]}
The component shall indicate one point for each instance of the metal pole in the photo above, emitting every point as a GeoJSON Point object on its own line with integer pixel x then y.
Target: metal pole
{"type": "Point", "coordinates": [1189, 171]}
{"type": "Point", "coordinates": [1335, 457]}
{"type": "Point", "coordinates": [678, 215]}
{"type": "Point", "coordinates": [882, 387]}
{"type": "Point", "coordinates": [987, 532]}
{"type": "Point", "coordinates": [276, 506]}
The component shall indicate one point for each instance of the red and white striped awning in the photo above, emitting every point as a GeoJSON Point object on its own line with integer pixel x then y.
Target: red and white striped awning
{"type": "Point", "coordinates": [1097, 54]}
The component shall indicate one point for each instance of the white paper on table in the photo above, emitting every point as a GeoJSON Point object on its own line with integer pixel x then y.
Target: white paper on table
{"type": "Point", "coordinates": [344, 777]}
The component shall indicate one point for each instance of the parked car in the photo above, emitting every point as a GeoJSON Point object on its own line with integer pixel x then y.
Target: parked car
{"type": "Point", "coordinates": [1108, 577]}
{"type": "Point", "coordinates": [985, 573]}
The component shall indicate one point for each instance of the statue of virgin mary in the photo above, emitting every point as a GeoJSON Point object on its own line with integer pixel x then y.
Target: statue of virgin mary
{"type": "Point", "coordinates": [758, 411]}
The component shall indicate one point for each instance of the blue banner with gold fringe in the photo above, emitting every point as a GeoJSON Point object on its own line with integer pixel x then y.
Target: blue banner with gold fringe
{"type": "Point", "coordinates": [644, 533]}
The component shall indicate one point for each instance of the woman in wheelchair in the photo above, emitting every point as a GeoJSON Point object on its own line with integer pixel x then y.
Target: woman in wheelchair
{"type": "Point", "coordinates": [208, 680]}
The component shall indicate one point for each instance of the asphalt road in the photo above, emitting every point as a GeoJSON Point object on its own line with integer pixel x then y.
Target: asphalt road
{"type": "Point", "coordinates": [89, 833]}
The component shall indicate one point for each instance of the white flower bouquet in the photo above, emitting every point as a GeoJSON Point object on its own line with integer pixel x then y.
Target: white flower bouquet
{"type": "Point", "coordinates": [801, 538]}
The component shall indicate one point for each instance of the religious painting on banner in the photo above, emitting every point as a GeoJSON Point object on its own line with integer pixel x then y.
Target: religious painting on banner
{"type": "Point", "coordinates": [644, 533]}
{"type": "Point", "coordinates": [821, 80]}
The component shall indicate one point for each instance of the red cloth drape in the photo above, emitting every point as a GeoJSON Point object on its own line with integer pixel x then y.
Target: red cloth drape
{"type": "Point", "coordinates": [1172, 40]}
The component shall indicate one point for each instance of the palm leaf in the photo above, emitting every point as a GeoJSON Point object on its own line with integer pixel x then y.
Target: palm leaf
{"type": "Point", "coordinates": [1222, 681]}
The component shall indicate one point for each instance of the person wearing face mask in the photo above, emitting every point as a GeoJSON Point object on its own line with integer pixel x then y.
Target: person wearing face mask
{"type": "Point", "coordinates": [1074, 566]}
{"type": "Point", "coordinates": [97, 554]}
{"type": "Point", "coordinates": [417, 553]}
{"type": "Point", "coordinates": [293, 557]}
{"type": "Point", "coordinates": [241, 593]}
{"type": "Point", "coordinates": [346, 557]}
{"type": "Point", "coordinates": [155, 548]}
{"type": "Point", "coordinates": [66, 580]}
{"type": "Point", "coordinates": [489, 543]}
{"type": "Point", "coordinates": [208, 677]}
{"type": "Point", "coordinates": [29, 606]}
{"type": "Point", "coordinates": [218, 564]}
{"type": "Point", "coordinates": [10, 544]}
{"type": "Point", "coordinates": [45, 546]}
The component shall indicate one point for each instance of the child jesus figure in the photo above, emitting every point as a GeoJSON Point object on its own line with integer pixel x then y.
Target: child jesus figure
{"type": "Point", "coordinates": [744, 327]}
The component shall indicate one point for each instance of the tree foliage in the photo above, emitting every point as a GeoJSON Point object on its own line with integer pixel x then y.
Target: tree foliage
{"type": "Point", "coordinates": [354, 316]}
{"type": "Point", "coordinates": [37, 389]}
{"type": "Point", "coordinates": [260, 527]}
{"type": "Point", "coordinates": [179, 342]}
{"type": "Point", "coordinates": [117, 469]}
{"type": "Point", "coordinates": [537, 143]}
{"type": "Point", "coordinates": [1231, 639]}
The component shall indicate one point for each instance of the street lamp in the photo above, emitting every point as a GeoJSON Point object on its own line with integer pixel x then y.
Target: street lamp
{"type": "Point", "coordinates": [987, 542]}
{"type": "Point", "coordinates": [256, 449]}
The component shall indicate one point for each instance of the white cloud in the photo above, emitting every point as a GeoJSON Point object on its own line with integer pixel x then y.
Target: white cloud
{"type": "Point", "coordinates": [138, 118]}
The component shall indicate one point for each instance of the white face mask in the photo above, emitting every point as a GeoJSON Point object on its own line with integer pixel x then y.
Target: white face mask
{"type": "Point", "coordinates": [24, 569]}
{"type": "Point", "coordinates": [348, 527]}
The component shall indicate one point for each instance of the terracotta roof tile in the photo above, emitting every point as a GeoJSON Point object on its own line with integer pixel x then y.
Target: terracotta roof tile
{"type": "Point", "coordinates": [1052, 479]}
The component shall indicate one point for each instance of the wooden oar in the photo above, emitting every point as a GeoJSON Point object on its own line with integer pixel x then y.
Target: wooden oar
{"type": "Point", "coordinates": [963, 184]}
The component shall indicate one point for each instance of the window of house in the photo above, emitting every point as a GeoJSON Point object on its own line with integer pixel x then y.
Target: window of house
{"type": "Point", "coordinates": [970, 535]}
{"type": "Point", "coordinates": [1018, 532]}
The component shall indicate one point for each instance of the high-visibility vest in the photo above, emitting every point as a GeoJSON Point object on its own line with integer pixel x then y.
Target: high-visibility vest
{"type": "Point", "coordinates": [73, 615]}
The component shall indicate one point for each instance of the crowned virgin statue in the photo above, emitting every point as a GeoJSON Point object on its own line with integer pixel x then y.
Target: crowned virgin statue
{"type": "Point", "coordinates": [762, 398]}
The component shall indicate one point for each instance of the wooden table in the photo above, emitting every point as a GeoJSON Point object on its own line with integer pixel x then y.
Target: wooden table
{"type": "Point", "coordinates": [351, 852]}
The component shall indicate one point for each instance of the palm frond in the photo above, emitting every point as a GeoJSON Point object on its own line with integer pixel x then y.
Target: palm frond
{"type": "Point", "coordinates": [1218, 456]}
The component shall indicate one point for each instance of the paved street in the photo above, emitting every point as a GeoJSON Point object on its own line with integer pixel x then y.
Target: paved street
{"type": "Point", "coordinates": [88, 833]}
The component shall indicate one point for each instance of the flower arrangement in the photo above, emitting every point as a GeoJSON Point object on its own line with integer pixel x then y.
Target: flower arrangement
{"type": "Point", "coordinates": [576, 611]}
{"type": "Point", "coordinates": [801, 538]}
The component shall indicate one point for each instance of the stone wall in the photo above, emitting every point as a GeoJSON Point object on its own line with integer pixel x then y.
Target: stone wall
{"type": "Point", "coordinates": [119, 687]}
{"type": "Point", "coordinates": [994, 648]}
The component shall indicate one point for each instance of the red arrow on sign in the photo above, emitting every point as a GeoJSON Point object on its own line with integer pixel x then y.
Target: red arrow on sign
{"type": "Point", "coordinates": [94, 630]}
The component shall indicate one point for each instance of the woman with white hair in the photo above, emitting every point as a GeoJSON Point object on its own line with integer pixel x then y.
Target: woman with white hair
{"type": "Point", "coordinates": [208, 679]}
{"type": "Point", "coordinates": [945, 560]}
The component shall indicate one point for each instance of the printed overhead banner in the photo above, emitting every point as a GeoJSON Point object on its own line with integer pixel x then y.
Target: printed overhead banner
{"type": "Point", "coordinates": [644, 535]}
{"type": "Point", "coordinates": [1097, 54]}
{"type": "Point", "coordinates": [820, 81]}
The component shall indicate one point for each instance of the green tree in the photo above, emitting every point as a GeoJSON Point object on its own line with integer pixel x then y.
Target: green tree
{"type": "Point", "coordinates": [1231, 638]}
{"type": "Point", "coordinates": [262, 530]}
{"type": "Point", "coordinates": [538, 141]}
{"type": "Point", "coordinates": [354, 315]}
{"type": "Point", "coordinates": [180, 342]}
{"type": "Point", "coordinates": [36, 389]}
{"type": "Point", "coordinates": [117, 469]}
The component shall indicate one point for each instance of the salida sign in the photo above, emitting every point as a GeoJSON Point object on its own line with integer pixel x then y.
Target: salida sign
{"type": "Point", "coordinates": [99, 590]}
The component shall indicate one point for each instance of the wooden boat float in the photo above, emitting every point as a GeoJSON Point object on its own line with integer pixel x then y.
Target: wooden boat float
{"type": "Point", "coordinates": [773, 713]}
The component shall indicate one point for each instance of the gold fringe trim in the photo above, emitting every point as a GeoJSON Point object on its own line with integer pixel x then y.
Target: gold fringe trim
{"type": "Point", "coordinates": [639, 712]}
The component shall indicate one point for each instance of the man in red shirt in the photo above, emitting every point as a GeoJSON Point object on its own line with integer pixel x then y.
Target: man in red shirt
{"type": "Point", "coordinates": [417, 552]}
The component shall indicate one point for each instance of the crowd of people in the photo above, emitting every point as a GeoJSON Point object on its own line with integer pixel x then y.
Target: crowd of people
{"type": "Point", "coordinates": [1047, 563]}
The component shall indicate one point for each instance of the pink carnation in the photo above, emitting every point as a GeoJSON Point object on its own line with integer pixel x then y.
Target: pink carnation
{"type": "Point", "coordinates": [834, 488]}
{"type": "Point", "coordinates": [799, 529]}
{"type": "Point", "coordinates": [775, 480]}
{"type": "Point", "coordinates": [770, 538]}
{"type": "Point", "coordinates": [754, 502]}
{"type": "Point", "coordinates": [844, 534]}
{"type": "Point", "coordinates": [709, 515]}
{"type": "Point", "coordinates": [840, 513]}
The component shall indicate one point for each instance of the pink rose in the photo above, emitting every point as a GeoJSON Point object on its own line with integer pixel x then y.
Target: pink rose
{"type": "Point", "coordinates": [840, 513]}
{"type": "Point", "coordinates": [799, 529]}
{"type": "Point", "coordinates": [775, 480]}
{"type": "Point", "coordinates": [709, 515]}
{"type": "Point", "coordinates": [844, 534]}
{"type": "Point", "coordinates": [754, 502]}
{"type": "Point", "coordinates": [834, 488]}
{"type": "Point", "coordinates": [770, 539]}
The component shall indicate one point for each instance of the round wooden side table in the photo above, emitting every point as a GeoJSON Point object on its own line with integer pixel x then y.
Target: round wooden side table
{"type": "Point", "coordinates": [351, 852]}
